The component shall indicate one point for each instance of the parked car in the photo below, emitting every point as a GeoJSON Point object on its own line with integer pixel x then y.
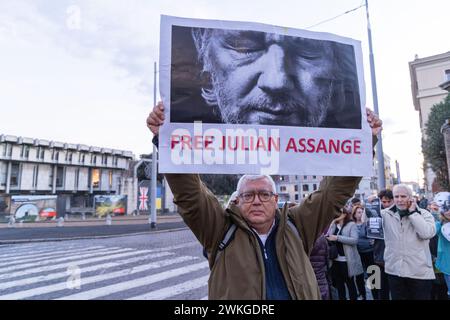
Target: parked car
{"type": "Point", "coordinates": [119, 210]}
{"type": "Point", "coordinates": [47, 213]}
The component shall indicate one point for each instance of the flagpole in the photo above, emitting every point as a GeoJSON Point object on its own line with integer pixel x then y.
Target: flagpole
{"type": "Point", "coordinates": [154, 164]}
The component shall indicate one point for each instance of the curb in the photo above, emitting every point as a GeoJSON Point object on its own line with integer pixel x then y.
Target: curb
{"type": "Point", "coordinates": [93, 222]}
{"type": "Point", "coordinates": [21, 241]}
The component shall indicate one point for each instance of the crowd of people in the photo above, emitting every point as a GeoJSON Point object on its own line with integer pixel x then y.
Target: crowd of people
{"type": "Point", "coordinates": [256, 250]}
{"type": "Point", "coordinates": [410, 261]}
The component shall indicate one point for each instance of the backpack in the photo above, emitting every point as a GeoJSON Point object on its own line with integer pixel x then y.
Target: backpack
{"type": "Point", "coordinates": [229, 236]}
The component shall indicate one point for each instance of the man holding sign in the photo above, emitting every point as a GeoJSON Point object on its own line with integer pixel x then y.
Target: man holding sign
{"type": "Point", "coordinates": [250, 98]}
{"type": "Point", "coordinates": [267, 257]}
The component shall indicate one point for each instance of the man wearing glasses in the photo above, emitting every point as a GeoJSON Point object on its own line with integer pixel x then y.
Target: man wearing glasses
{"type": "Point", "coordinates": [267, 257]}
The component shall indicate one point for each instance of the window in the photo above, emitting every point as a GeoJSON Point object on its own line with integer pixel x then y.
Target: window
{"type": "Point", "coordinates": [305, 187]}
{"type": "Point", "coordinates": [296, 188]}
{"type": "Point", "coordinates": [116, 161]}
{"type": "Point", "coordinates": [40, 153]}
{"type": "Point", "coordinates": [447, 75]}
{"type": "Point", "coordinates": [110, 179]}
{"type": "Point", "coordinates": [296, 197]}
{"type": "Point", "coordinates": [282, 189]}
{"type": "Point", "coordinates": [314, 177]}
{"type": "Point", "coordinates": [69, 157]}
{"type": "Point", "coordinates": [93, 159]}
{"type": "Point", "coordinates": [7, 150]}
{"type": "Point", "coordinates": [55, 155]}
{"type": "Point", "coordinates": [50, 178]}
{"type": "Point", "coordinates": [3, 173]}
{"type": "Point", "coordinates": [15, 175]}
{"type": "Point", "coordinates": [81, 158]}
{"type": "Point", "coordinates": [305, 177]}
{"type": "Point", "coordinates": [314, 187]}
{"type": "Point", "coordinates": [59, 177]}
{"type": "Point", "coordinates": [104, 159]}
{"type": "Point", "coordinates": [95, 178]}
{"type": "Point", "coordinates": [25, 152]}
{"type": "Point", "coordinates": [35, 176]}
{"type": "Point", "coordinates": [77, 178]}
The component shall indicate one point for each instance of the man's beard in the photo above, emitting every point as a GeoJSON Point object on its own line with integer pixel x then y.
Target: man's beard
{"type": "Point", "coordinates": [295, 109]}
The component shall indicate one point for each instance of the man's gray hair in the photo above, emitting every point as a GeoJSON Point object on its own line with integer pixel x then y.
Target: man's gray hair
{"type": "Point", "coordinates": [251, 177]}
{"type": "Point", "coordinates": [404, 187]}
{"type": "Point", "coordinates": [233, 198]}
{"type": "Point", "coordinates": [202, 39]}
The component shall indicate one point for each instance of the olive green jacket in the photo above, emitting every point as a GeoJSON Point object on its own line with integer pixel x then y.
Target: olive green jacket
{"type": "Point", "coordinates": [238, 272]}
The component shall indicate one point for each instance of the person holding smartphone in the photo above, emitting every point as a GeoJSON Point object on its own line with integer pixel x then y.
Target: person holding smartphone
{"type": "Point", "coordinates": [407, 232]}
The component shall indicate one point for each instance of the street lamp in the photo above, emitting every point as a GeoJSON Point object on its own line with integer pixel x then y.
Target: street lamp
{"type": "Point", "coordinates": [154, 164]}
{"type": "Point", "coordinates": [380, 156]}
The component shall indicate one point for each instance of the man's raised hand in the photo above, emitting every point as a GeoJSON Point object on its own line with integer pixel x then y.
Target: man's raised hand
{"type": "Point", "coordinates": [156, 118]}
{"type": "Point", "coordinates": [374, 122]}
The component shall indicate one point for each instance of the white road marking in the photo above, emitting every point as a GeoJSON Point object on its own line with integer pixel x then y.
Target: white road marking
{"type": "Point", "coordinates": [86, 280]}
{"type": "Point", "coordinates": [107, 290]}
{"type": "Point", "coordinates": [87, 261]}
{"type": "Point", "coordinates": [25, 258]}
{"type": "Point", "coordinates": [167, 292]}
{"type": "Point", "coordinates": [63, 274]}
{"type": "Point", "coordinates": [5, 271]}
{"type": "Point", "coordinates": [7, 249]}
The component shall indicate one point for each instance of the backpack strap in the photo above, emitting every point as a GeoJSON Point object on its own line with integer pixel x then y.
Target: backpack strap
{"type": "Point", "coordinates": [229, 235]}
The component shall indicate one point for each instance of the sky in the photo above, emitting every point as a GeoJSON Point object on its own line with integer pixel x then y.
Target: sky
{"type": "Point", "coordinates": [81, 71]}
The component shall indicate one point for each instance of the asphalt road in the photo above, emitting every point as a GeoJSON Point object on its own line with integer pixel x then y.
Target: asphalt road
{"type": "Point", "coordinates": [152, 266]}
{"type": "Point", "coordinates": [54, 233]}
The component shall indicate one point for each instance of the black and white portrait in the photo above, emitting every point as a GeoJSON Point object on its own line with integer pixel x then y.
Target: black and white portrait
{"type": "Point", "coordinates": [253, 77]}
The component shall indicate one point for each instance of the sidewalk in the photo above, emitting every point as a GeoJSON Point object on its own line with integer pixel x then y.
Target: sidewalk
{"type": "Point", "coordinates": [91, 228]}
{"type": "Point", "coordinates": [93, 221]}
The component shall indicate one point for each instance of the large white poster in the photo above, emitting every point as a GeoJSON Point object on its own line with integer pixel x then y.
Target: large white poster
{"type": "Point", "coordinates": [245, 97]}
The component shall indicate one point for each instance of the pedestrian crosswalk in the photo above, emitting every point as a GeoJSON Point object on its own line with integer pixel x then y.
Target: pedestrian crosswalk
{"type": "Point", "coordinates": [80, 272]}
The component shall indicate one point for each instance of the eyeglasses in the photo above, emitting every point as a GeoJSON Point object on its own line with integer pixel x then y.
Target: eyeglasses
{"type": "Point", "coordinates": [263, 196]}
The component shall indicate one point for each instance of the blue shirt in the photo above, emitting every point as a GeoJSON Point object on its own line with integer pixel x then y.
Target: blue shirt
{"type": "Point", "coordinates": [276, 288]}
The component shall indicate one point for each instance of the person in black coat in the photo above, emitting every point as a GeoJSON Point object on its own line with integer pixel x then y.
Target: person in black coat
{"type": "Point", "coordinates": [319, 262]}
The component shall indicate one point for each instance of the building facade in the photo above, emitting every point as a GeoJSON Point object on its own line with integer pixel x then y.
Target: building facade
{"type": "Point", "coordinates": [430, 76]}
{"type": "Point", "coordinates": [294, 188]}
{"type": "Point", "coordinates": [75, 173]}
